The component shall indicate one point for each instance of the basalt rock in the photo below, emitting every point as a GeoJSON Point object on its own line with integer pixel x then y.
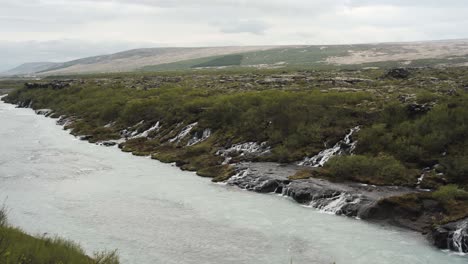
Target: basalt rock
{"type": "Point", "coordinates": [85, 137]}
{"type": "Point", "coordinates": [453, 236]}
{"type": "Point", "coordinates": [108, 143]}
{"type": "Point", "coordinates": [397, 73]}
{"type": "Point", "coordinates": [352, 199]}
{"type": "Point", "coordinates": [56, 85]}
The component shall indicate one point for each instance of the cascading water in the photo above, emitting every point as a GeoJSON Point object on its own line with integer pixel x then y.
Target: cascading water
{"type": "Point", "coordinates": [239, 175]}
{"type": "Point", "coordinates": [320, 159]}
{"type": "Point", "coordinates": [185, 131]}
{"type": "Point", "coordinates": [460, 238]}
{"type": "Point", "coordinates": [145, 133]}
{"type": "Point", "coordinates": [198, 139]}
{"type": "Point", "coordinates": [247, 148]}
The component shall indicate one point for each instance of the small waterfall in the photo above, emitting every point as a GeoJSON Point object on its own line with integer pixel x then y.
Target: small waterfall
{"type": "Point", "coordinates": [156, 127]}
{"type": "Point", "coordinates": [131, 131]}
{"type": "Point", "coordinates": [239, 175]}
{"type": "Point", "coordinates": [320, 159]}
{"type": "Point", "coordinates": [185, 131]}
{"type": "Point", "coordinates": [335, 204]}
{"type": "Point", "coordinates": [196, 139]}
{"type": "Point", "coordinates": [460, 238]}
{"type": "Point", "coordinates": [247, 148]}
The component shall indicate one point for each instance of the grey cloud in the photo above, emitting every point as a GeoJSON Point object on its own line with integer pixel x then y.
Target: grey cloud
{"type": "Point", "coordinates": [414, 3]}
{"type": "Point", "coordinates": [105, 26]}
{"type": "Point", "coordinates": [244, 26]}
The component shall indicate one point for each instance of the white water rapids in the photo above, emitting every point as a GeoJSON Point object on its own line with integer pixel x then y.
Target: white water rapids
{"type": "Point", "coordinates": [155, 213]}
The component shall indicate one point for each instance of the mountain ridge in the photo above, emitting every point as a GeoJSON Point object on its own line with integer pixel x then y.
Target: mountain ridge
{"type": "Point", "coordinates": [408, 54]}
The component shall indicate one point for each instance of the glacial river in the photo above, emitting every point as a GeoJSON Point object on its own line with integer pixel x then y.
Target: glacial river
{"type": "Point", "coordinates": [155, 213]}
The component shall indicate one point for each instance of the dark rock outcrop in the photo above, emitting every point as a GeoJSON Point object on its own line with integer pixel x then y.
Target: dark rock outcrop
{"type": "Point", "coordinates": [86, 137]}
{"type": "Point", "coordinates": [397, 73]}
{"type": "Point", "coordinates": [56, 85]}
{"type": "Point", "coordinates": [108, 143]}
{"type": "Point", "coordinates": [350, 199]}
{"type": "Point", "coordinates": [44, 112]}
{"type": "Point", "coordinates": [415, 109]}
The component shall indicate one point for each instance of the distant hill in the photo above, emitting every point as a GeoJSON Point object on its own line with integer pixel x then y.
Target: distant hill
{"type": "Point", "coordinates": [136, 59]}
{"type": "Point", "coordinates": [29, 68]}
{"type": "Point", "coordinates": [412, 54]}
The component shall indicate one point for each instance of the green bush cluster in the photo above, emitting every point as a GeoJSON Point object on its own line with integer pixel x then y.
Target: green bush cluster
{"type": "Point", "coordinates": [296, 123]}
{"type": "Point", "coordinates": [380, 170]}
{"type": "Point", "coordinates": [449, 193]}
{"type": "Point", "coordinates": [440, 136]}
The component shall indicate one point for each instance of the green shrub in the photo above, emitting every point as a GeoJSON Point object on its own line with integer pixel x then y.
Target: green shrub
{"type": "Point", "coordinates": [381, 170]}
{"type": "Point", "coordinates": [450, 192]}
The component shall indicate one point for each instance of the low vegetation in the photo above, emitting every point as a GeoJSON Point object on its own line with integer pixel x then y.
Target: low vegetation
{"type": "Point", "coordinates": [379, 170]}
{"type": "Point", "coordinates": [16, 247]}
{"type": "Point", "coordinates": [228, 60]}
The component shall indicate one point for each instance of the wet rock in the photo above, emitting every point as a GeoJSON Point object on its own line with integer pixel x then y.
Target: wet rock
{"type": "Point", "coordinates": [86, 137]}
{"type": "Point", "coordinates": [440, 237]}
{"type": "Point", "coordinates": [44, 112]}
{"type": "Point", "coordinates": [353, 200]}
{"type": "Point", "coordinates": [397, 73]}
{"type": "Point", "coordinates": [64, 121]}
{"type": "Point", "coordinates": [453, 236]}
{"type": "Point", "coordinates": [108, 143]}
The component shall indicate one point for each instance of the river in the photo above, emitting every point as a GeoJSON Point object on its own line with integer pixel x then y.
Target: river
{"type": "Point", "coordinates": [152, 212]}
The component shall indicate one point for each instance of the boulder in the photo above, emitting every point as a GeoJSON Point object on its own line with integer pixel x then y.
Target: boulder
{"type": "Point", "coordinates": [108, 143]}
{"type": "Point", "coordinates": [415, 109]}
{"type": "Point", "coordinates": [397, 73]}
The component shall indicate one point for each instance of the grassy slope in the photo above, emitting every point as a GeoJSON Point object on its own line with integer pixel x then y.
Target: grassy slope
{"type": "Point", "coordinates": [18, 247]}
{"type": "Point", "coordinates": [291, 56]}
{"type": "Point", "coordinates": [313, 57]}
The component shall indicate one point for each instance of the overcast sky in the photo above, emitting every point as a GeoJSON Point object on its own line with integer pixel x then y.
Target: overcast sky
{"type": "Point", "coordinates": [60, 30]}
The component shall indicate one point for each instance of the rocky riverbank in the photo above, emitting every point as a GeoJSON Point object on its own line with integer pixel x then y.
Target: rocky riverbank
{"type": "Point", "coordinates": [370, 150]}
{"type": "Point", "coordinates": [351, 199]}
{"type": "Point", "coordinates": [367, 202]}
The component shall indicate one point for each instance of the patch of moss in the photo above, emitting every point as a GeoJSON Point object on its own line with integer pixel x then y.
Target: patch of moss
{"type": "Point", "coordinates": [218, 173]}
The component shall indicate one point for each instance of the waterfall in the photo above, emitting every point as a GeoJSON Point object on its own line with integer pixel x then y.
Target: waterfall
{"type": "Point", "coordinates": [334, 204]}
{"type": "Point", "coordinates": [196, 139]}
{"type": "Point", "coordinates": [247, 148]}
{"type": "Point", "coordinates": [320, 159]}
{"type": "Point", "coordinates": [239, 175]}
{"type": "Point", "coordinates": [185, 131]}
{"type": "Point", "coordinates": [460, 238]}
{"type": "Point", "coordinates": [146, 133]}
